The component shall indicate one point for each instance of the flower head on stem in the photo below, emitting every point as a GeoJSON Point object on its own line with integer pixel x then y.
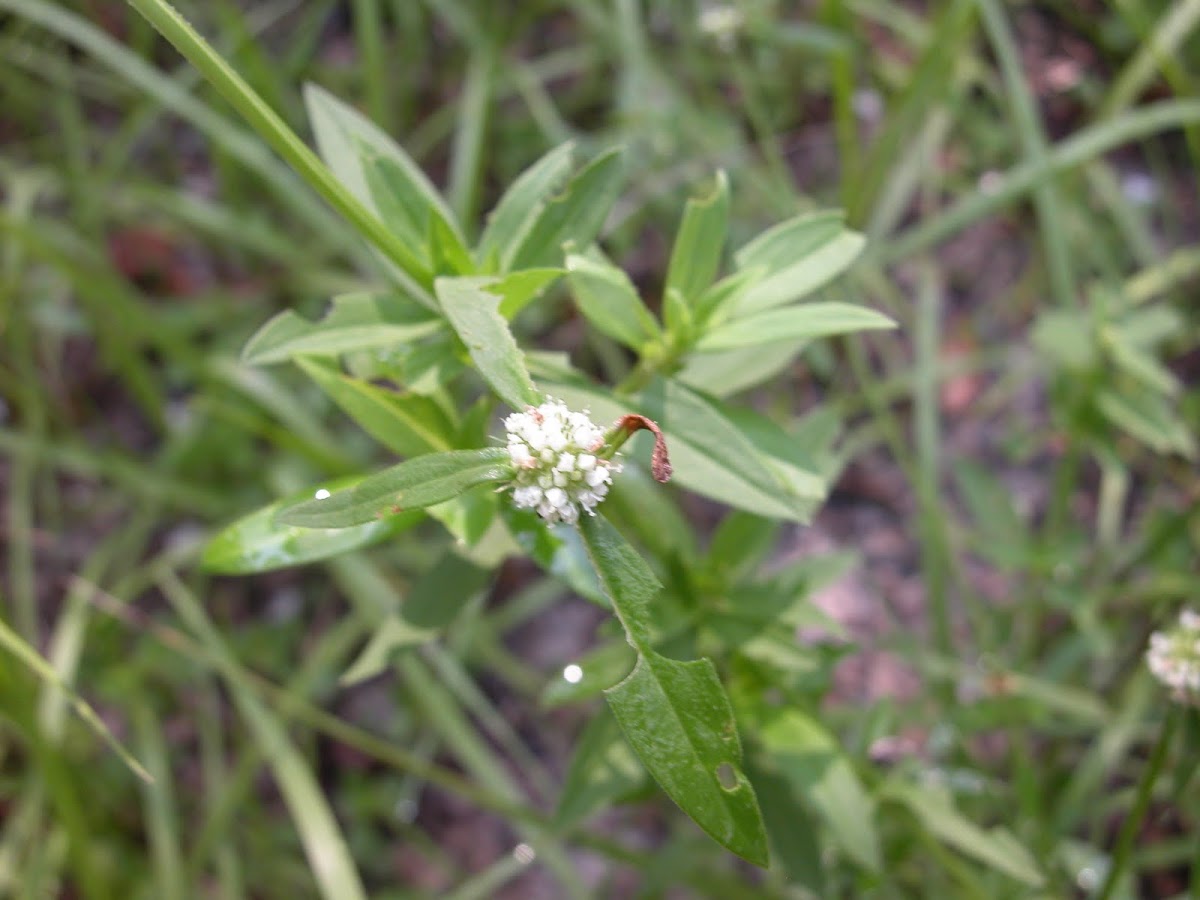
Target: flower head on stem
{"type": "Point", "coordinates": [1174, 658]}
{"type": "Point", "coordinates": [565, 463]}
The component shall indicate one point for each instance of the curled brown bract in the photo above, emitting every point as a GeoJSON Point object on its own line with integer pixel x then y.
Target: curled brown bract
{"type": "Point", "coordinates": [660, 461]}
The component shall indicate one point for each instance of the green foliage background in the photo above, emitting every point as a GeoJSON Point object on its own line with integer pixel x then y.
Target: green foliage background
{"type": "Point", "coordinates": [1025, 177]}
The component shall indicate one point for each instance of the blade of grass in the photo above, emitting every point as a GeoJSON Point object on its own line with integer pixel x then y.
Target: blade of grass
{"type": "Point", "coordinates": [216, 782]}
{"type": "Point", "coordinates": [33, 661]}
{"type": "Point", "coordinates": [447, 719]}
{"type": "Point", "coordinates": [328, 856]}
{"type": "Point", "coordinates": [59, 778]}
{"type": "Point", "coordinates": [368, 34]}
{"type": "Point", "coordinates": [161, 811]}
{"type": "Point", "coordinates": [1047, 199]}
{"type": "Point", "coordinates": [132, 68]}
{"type": "Point", "coordinates": [934, 551]}
{"type": "Point", "coordinates": [1157, 51]}
{"type": "Point", "coordinates": [1081, 147]}
{"type": "Point", "coordinates": [926, 89]}
{"type": "Point", "coordinates": [466, 158]}
{"type": "Point", "coordinates": [167, 21]}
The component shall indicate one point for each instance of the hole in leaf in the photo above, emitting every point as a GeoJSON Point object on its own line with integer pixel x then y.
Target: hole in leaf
{"type": "Point", "coordinates": [727, 777]}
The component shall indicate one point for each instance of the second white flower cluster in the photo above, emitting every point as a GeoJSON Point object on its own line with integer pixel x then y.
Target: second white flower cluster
{"type": "Point", "coordinates": [555, 451]}
{"type": "Point", "coordinates": [1174, 658]}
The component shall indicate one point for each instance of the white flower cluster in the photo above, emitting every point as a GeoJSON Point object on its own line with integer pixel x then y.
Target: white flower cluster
{"type": "Point", "coordinates": [1174, 658]}
{"type": "Point", "coordinates": [558, 471]}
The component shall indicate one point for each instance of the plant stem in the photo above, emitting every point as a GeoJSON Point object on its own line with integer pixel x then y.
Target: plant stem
{"type": "Point", "coordinates": [172, 26]}
{"type": "Point", "coordinates": [1141, 803]}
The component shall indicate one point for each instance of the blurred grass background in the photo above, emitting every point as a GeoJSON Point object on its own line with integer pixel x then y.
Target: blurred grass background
{"type": "Point", "coordinates": [1026, 175]}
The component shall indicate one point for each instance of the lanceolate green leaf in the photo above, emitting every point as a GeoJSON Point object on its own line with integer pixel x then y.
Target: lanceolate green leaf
{"type": "Point", "coordinates": [361, 321]}
{"type": "Point", "coordinates": [808, 757]}
{"type": "Point", "coordinates": [675, 715]}
{"type": "Point", "coordinates": [414, 484]}
{"type": "Point", "coordinates": [995, 847]}
{"type": "Point", "coordinates": [603, 770]}
{"type": "Point", "coordinates": [678, 720]}
{"type": "Point", "coordinates": [806, 321]}
{"type": "Point", "coordinates": [407, 424]}
{"type": "Point", "coordinates": [712, 457]}
{"type": "Point", "coordinates": [474, 314]}
{"type": "Point", "coordinates": [723, 373]}
{"type": "Point", "coordinates": [257, 543]}
{"type": "Point", "coordinates": [696, 256]}
{"type": "Point", "coordinates": [575, 215]}
{"type": "Point", "coordinates": [347, 139]}
{"type": "Point", "coordinates": [518, 209]}
{"type": "Point", "coordinates": [410, 211]}
{"type": "Point", "coordinates": [627, 579]}
{"type": "Point", "coordinates": [517, 289]}
{"type": "Point", "coordinates": [796, 257]}
{"type": "Point", "coordinates": [610, 302]}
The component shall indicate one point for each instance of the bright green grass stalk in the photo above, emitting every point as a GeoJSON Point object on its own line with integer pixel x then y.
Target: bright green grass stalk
{"type": "Point", "coordinates": [273, 129]}
{"type": "Point", "coordinates": [1145, 792]}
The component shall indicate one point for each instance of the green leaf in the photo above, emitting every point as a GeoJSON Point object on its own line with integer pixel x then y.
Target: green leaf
{"type": "Point", "coordinates": [359, 321]}
{"type": "Point", "coordinates": [1146, 328]}
{"type": "Point", "coordinates": [1066, 337]}
{"type": "Point", "coordinates": [475, 316]}
{"type": "Point", "coordinates": [627, 579]}
{"type": "Point", "coordinates": [640, 506]}
{"type": "Point", "coordinates": [999, 533]}
{"type": "Point", "coordinates": [517, 289]}
{"type": "Point", "coordinates": [809, 758]}
{"type": "Point", "coordinates": [432, 603]}
{"type": "Point", "coordinates": [348, 142]}
{"type": "Point", "coordinates": [447, 251]}
{"type": "Point", "coordinates": [610, 302]}
{"type": "Point", "coordinates": [678, 720]}
{"type": "Point", "coordinates": [795, 841]}
{"type": "Point", "coordinates": [417, 483]}
{"type": "Point", "coordinates": [675, 715]}
{"type": "Point", "coordinates": [783, 452]}
{"type": "Point", "coordinates": [797, 257]}
{"type": "Point", "coordinates": [417, 216]}
{"type": "Point", "coordinates": [739, 544]}
{"type": "Point", "coordinates": [258, 543]}
{"type": "Point", "coordinates": [602, 771]}
{"type": "Point", "coordinates": [391, 637]}
{"type": "Point", "coordinates": [441, 593]}
{"type": "Point", "coordinates": [428, 367]}
{"type": "Point", "coordinates": [807, 321]}
{"type": "Point", "coordinates": [521, 205]}
{"type": "Point", "coordinates": [726, 294]}
{"type": "Point", "coordinates": [601, 668]}
{"type": "Point", "coordinates": [576, 215]}
{"type": "Point", "coordinates": [558, 550]}
{"type": "Point", "coordinates": [696, 255]}
{"type": "Point", "coordinates": [724, 373]}
{"type": "Point", "coordinates": [996, 847]}
{"type": "Point", "coordinates": [1138, 362]}
{"type": "Point", "coordinates": [711, 456]}
{"type": "Point", "coordinates": [709, 453]}
{"type": "Point", "coordinates": [407, 424]}
{"type": "Point", "coordinates": [1149, 419]}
